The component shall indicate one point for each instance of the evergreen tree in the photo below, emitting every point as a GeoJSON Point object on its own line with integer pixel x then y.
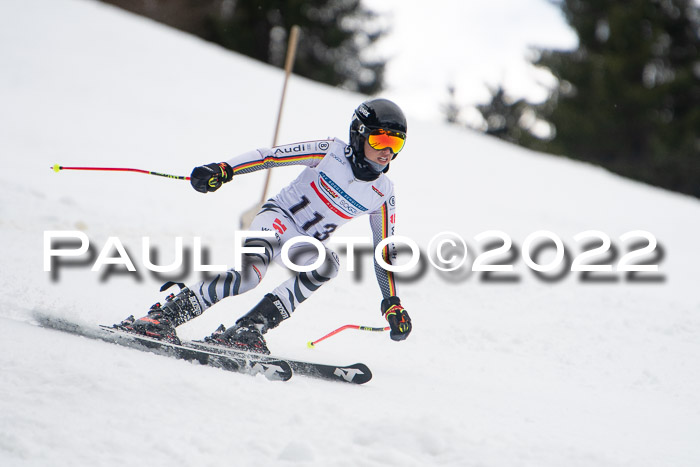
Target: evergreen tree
{"type": "Point", "coordinates": [503, 115]}
{"type": "Point", "coordinates": [511, 119]}
{"type": "Point", "coordinates": [451, 108]}
{"type": "Point", "coordinates": [629, 95]}
{"type": "Point", "coordinates": [335, 34]}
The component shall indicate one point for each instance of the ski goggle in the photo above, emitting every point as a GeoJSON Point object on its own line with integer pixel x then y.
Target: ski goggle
{"type": "Point", "coordinates": [381, 139]}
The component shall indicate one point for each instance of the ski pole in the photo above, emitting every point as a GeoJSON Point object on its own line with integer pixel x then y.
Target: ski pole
{"type": "Point", "coordinates": [57, 168]}
{"type": "Point", "coordinates": [312, 344]}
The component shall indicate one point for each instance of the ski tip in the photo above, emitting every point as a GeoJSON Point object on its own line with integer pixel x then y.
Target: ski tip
{"type": "Point", "coordinates": [358, 373]}
{"type": "Point", "coordinates": [366, 373]}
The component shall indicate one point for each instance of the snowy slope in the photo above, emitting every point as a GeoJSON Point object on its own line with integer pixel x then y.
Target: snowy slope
{"type": "Point", "coordinates": [525, 372]}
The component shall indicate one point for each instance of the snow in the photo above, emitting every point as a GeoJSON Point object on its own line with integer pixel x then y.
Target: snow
{"type": "Point", "coordinates": [524, 372]}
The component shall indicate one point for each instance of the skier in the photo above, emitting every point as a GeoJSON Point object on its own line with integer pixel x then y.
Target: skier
{"type": "Point", "coordinates": [340, 182]}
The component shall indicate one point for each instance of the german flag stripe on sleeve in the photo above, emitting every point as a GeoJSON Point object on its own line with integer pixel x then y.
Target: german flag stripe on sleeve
{"type": "Point", "coordinates": [274, 161]}
{"type": "Point", "coordinates": [386, 255]}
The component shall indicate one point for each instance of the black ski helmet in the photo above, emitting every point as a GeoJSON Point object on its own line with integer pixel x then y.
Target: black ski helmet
{"type": "Point", "coordinates": [372, 115]}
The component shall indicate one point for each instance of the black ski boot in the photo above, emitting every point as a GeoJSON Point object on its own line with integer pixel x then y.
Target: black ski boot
{"type": "Point", "coordinates": [161, 320]}
{"type": "Point", "coordinates": [247, 334]}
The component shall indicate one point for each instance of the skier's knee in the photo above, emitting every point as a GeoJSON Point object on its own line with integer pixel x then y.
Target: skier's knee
{"type": "Point", "coordinates": [253, 268]}
{"type": "Point", "coordinates": [254, 265]}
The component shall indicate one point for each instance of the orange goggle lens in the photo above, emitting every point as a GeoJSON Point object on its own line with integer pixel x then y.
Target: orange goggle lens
{"type": "Point", "coordinates": [380, 139]}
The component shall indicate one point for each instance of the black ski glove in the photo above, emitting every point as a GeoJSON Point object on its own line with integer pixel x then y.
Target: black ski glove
{"type": "Point", "coordinates": [210, 177]}
{"type": "Point", "coordinates": [398, 318]}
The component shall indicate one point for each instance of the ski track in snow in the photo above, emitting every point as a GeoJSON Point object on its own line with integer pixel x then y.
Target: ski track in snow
{"type": "Point", "coordinates": [524, 373]}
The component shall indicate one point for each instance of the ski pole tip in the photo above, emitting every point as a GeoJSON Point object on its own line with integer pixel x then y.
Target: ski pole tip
{"type": "Point", "coordinates": [56, 168]}
{"type": "Point", "coordinates": [310, 344]}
